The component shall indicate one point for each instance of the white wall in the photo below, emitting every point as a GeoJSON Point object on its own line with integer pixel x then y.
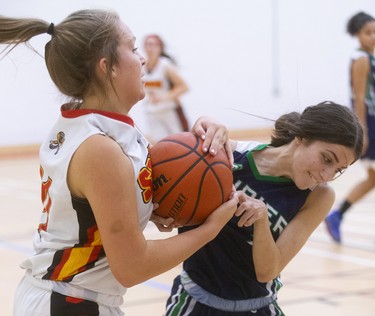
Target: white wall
{"type": "Point", "coordinates": [266, 57]}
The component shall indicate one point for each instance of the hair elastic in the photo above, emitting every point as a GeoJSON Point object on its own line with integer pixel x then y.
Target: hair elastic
{"type": "Point", "coordinates": [50, 29]}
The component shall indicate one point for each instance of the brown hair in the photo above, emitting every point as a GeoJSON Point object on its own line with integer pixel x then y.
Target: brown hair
{"type": "Point", "coordinates": [327, 121]}
{"type": "Point", "coordinates": [162, 46]}
{"type": "Point", "coordinates": [357, 22]}
{"type": "Point", "coordinates": [76, 45]}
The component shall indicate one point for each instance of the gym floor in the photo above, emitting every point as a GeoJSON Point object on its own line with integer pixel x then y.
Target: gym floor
{"type": "Point", "coordinates": [323, 279]}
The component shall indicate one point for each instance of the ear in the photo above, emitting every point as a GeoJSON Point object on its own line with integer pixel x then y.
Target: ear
{"type": "Point", "coordinates": [102, 67]}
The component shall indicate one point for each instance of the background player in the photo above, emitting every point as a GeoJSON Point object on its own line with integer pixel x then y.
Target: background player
{"type": "Point", "coordinates": [164, 86]}
{"type": "Point", "coordinates": [362, 79]}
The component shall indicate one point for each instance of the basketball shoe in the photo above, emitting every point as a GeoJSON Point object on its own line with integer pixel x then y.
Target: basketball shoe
{"type": "Point", "coordinates": [333, 221]}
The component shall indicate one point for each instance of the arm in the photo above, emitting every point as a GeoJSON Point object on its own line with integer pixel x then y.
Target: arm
{"type": "Point", "coordinates": [179, 86]}
{"type": "Point", "coordinates": [359, 72]}
{"type": "Point", "coordinates": [271, 257]}
{"type": "Point", "coordinates": [109, 188]}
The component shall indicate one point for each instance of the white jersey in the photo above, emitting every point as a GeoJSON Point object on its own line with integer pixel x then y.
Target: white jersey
{"type": "Point", "coordinates": [67, 244]}
{"type": "Point", "coordinates": [156, 82]}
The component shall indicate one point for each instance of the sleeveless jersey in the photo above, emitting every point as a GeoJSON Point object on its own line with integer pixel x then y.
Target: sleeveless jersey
{"type": "Point", "coordinates": [369, 101]}
{"type": "Point", "coordinates": [67, 243]}
{"type": "Point", "coordinates": [224, 267]}
{"type": "Point", "coordinates": [156, 81]}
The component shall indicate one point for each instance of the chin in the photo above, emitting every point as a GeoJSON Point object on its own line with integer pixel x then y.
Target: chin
{"type": "Point", "coordinates": [142, 96]}
{"type": "Point", "coordinates": [304, 186]}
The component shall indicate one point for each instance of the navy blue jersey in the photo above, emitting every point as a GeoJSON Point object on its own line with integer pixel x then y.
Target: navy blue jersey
{"type": "Point", "coordinates": [225, 265]}
{"type": "Point", "coordinates": [369, 102]}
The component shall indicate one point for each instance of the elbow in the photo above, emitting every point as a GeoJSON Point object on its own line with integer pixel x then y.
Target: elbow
{"type": "Point", "coordinates": [264, 278]}
{"type": "Point", "coordinates": [128, 279]}
{"type": "Point", "coordinates": [129, 283]}
{"type": "Point", "coordinates": [266, 275]}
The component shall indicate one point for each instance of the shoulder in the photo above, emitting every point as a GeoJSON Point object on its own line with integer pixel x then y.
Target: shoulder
{"type": "Point", "coordinates": [360, 59]}
{"type": "Point", "coordinates": [242, 146]}
{"type": "Point", "coordinates": [357, 54]}
{"type": "Point", "coordinates": [99, 145]}
{"type": "Point", "coordinates": [321, 199]}
{"type": "Point", "coordinates": [361, 65]}
{"type": "Point", "coordinates": [324, 190]}
{"type": "Point", "coordinates": [97, 160]}
{"type": "Point", "coordinates": [317, 205]}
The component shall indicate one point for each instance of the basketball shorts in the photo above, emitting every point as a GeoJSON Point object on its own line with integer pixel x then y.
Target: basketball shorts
{"type": "Point", "coordinates": [31, 300]}
{"type": "Point", "coordinates": [180, 303]}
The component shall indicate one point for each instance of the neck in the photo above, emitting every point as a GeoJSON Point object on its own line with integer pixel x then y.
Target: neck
{"type": "Point", "coordinates": [95, 103]}
{"type": "Point", "coordinates": [274, 161]}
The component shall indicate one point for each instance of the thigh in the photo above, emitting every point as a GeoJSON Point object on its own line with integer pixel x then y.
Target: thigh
{"type": "Point", "coordinates": [31, 301]}
{"type": "Point", "coordinates": [62, 305]}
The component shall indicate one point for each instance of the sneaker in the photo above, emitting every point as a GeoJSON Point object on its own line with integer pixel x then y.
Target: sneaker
{"type": "Point", "coordinates": [333, 221]}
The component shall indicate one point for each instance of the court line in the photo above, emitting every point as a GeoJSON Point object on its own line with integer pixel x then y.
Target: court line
{"type": "Point", "coordinates": [338, 257]}
{"type": "Point", "coordinates": [365, 244]}
{"type": "Point", "coordinates": [166, 288]}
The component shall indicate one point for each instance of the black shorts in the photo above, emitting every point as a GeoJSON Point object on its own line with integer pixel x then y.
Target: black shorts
{"type": "Point", "coordinates": [62, 305]}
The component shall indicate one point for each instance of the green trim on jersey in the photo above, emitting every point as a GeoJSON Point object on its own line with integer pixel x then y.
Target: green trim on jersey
{"type": "Point", "coordinates": [256, 173]}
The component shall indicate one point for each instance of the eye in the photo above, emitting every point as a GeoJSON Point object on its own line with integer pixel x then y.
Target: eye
{"type": "Point", "coordinates": [326, 159]}
{"type": "Point", "coordinates": [135, 49]}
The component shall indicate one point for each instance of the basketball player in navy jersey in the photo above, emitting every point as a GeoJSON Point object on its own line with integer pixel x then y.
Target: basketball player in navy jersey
{"type": "Point", "coordinates": [284, 197]}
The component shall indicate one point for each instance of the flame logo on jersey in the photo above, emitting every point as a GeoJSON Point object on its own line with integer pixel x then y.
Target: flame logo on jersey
{"type": "Point", "coordinates": [145, 181]}
{"type": "Point", "coordinates": [58, 142]}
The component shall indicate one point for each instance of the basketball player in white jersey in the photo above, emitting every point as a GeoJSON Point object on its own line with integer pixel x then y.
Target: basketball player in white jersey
{"type": "Point", "coordinates": [96, 174]}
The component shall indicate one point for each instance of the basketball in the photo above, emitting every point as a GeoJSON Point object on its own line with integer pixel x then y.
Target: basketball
{"type": "Point", "coordinates": [188, 183]}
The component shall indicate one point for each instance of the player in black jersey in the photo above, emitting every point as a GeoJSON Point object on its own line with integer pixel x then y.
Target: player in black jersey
{"type": "Point", "coordinates": [284, 197]}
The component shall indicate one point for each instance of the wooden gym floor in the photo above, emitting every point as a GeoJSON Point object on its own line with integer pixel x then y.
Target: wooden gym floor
{"type": "Point", "coordinates": [324, 278]}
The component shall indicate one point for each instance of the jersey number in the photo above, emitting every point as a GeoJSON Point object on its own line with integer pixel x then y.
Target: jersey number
{"type": "Point", "coordinates": [46, 200]}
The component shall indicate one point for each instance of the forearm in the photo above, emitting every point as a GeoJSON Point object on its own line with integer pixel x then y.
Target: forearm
{"type": "Point", "coordinates": [159, 256]}
{"type": "Point", "coordinates": [177, 91]}
{"type": "Point", "coordinates": [266, 254]}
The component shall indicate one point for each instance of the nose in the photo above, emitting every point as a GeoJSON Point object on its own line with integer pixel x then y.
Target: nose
{"type": "Point", "coordinates": [142, 59]}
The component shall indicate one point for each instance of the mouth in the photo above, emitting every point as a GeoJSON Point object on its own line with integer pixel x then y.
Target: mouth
{"type": "Point", "coordinates": [142, 80]}
{"type": "Point", "coordinates": [313, 178]}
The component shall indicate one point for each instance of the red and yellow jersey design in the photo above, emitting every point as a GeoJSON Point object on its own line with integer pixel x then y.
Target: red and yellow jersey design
{"type": "Point", "coordinates": [71, 261]}
{"type": "Point", "coordinates": [67, 242]}
{"type": "Point", "coordinates": [145, 181]}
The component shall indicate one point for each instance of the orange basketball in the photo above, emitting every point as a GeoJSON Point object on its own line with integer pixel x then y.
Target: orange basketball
{"type": "Point", "coordinates": [188, 184]}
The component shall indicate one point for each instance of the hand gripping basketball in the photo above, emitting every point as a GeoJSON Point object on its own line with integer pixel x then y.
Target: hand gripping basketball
{"type": "Point", "coordinates": [188, 184]}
